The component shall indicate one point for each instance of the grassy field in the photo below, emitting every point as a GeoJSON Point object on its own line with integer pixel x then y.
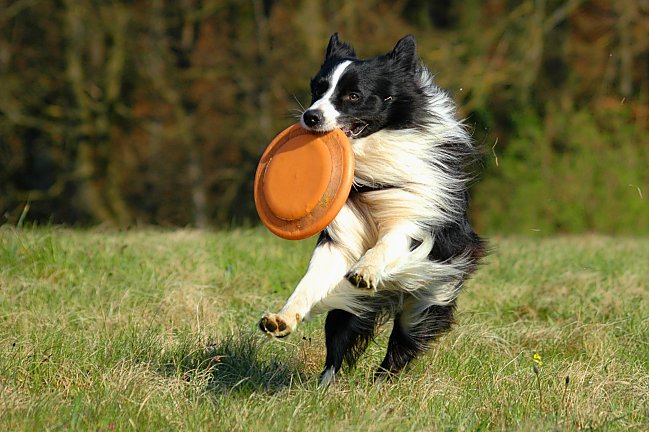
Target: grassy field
{"type": "Point", "coordinates": [150, 330]}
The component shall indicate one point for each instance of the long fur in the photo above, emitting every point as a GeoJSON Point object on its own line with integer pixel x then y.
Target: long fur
{"type": "Point", "coordinates": [402, 245]}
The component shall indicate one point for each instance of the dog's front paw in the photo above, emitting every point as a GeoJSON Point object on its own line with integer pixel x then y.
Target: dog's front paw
{"type": "Point", "coordinates": [363, 277]}
{"type": "Point", "coordinates": [274, 325]}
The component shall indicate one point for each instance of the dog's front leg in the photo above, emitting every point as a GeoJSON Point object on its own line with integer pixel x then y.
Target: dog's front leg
{"type": "Point", "coordinates": [326, 270]}
{"type": "Point", "coordinates": [380, 261]}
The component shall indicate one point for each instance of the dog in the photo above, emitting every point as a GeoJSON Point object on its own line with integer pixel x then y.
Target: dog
{"type": "Point", "coordinates": [402, 246]}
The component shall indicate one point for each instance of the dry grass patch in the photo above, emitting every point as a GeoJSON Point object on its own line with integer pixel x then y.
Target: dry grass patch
{"type": "Point", "coordinates": [155, 330]}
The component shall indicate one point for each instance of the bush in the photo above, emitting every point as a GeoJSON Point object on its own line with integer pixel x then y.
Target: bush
{"type": "Point", "coordinates": [567, 171]}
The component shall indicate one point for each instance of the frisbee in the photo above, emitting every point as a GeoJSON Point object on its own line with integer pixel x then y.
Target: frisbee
{"type": "Point", "coordinates": [303, 180]}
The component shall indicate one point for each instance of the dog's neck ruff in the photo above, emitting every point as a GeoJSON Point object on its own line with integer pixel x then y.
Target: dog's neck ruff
{"type": "Point", "coordinates": [423, 165]}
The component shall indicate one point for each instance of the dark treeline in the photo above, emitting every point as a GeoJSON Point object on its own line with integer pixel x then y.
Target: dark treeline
{"type": "Point", "coordinates": [156, 112]}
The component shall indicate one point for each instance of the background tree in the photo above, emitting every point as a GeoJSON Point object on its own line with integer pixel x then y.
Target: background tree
{"type": "Point", "coordinates": [156, 112]}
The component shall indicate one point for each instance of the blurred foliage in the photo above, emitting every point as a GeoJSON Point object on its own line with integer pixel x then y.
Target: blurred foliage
{"type": "Point", "coordinates": [156, 112]}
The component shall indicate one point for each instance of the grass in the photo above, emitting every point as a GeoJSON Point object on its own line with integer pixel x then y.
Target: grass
{"type": "Point", "coordinates": [151, 330]}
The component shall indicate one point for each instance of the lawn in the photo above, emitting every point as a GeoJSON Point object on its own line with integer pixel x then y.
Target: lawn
{"type": "Point", "coordinates": [156, 330]}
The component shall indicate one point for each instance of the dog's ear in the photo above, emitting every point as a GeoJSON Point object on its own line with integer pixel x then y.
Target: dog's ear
{"type": "Point", "coordinates": [338, 49]}
{"type": "Point", "coordinates": [405, 51]}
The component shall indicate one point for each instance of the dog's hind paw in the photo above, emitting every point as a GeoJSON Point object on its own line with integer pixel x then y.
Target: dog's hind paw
{"type": "Point", "coordinates": [275, 326]}
{"type": "Point", "coordinates": [327, 376]}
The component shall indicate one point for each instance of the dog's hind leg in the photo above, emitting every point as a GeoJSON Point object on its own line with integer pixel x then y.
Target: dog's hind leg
{"type": "Point", "coordinates": [347, 337]}
{"type": "Point", "coordinates": [415, 328]}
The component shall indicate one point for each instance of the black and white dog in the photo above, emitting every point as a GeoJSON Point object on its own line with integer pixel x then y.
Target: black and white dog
{"type": "Point", "coordinates": [402, 245]}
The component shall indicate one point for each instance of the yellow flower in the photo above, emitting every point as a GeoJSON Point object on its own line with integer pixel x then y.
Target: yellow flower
{"type": "Point", "coordinates": [537, 359]}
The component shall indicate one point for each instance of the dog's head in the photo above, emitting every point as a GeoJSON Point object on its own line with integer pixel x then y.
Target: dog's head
{"type": "Point", "coordinates": [364, 96]}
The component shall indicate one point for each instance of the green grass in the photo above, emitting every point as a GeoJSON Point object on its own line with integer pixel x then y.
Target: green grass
{"type": "Point", "coordinates": [150, 330]}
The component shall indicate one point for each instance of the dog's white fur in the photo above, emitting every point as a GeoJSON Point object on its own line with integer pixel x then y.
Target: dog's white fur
{"type": "Point", "coordinates": [373, 232]}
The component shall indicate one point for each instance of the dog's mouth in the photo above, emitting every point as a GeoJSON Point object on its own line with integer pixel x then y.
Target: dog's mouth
{"type": "Point", "coordinates": [354, 129]}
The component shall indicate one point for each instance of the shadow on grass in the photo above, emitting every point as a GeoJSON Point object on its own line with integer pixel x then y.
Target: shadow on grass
{"type": "Point", "coordinates": [239, 364]}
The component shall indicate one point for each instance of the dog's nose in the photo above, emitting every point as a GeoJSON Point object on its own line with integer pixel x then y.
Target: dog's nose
{"type": "Point", "coordinates": [312, 118]}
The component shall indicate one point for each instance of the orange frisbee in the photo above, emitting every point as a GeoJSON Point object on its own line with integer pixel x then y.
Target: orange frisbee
{"type": "Point", "coordinates": [303, 180]}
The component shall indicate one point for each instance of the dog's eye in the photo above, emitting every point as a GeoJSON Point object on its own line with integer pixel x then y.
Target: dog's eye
{"type": "Point", "coordinates": [353, 97]}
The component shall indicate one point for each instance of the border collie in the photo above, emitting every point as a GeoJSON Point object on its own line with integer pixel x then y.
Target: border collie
{"type": "Point", "coordinates": [402, 245]}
